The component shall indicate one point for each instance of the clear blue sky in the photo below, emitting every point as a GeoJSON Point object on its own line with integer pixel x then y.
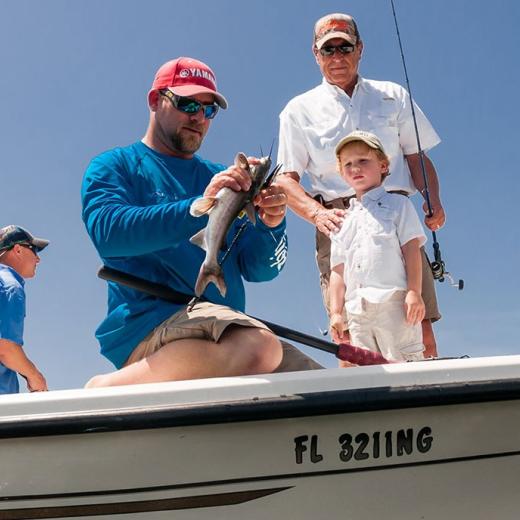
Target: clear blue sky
{"type": "Point", "coordinates": [74, 80]}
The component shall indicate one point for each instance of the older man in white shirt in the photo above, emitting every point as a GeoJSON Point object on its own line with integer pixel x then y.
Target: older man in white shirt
{"type": "Point", "coordinates": [312, 124]}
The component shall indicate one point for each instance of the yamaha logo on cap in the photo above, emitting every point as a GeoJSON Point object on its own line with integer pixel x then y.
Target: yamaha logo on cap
{"type": "Point", "coordinates": [196, 73]}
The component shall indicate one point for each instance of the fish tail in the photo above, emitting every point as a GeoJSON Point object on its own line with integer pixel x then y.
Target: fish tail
{"type": "Point", "coordinates": [210, 273]}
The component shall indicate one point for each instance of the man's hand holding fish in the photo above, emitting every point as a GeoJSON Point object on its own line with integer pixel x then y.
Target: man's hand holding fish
{"type": "Point", "coordinates": [272, 205]}
{"type": "Point", "coordinates": [235, 177]}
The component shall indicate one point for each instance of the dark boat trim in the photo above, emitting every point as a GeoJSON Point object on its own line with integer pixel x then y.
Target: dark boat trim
{"type": "Point", "coordinates": [257, 409]}
{"type": "Point", "coordinates": [139, 506]}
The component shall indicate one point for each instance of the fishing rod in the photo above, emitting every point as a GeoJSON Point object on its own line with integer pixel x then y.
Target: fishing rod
{"type": "Point", "coordinates": [438, 266]}
{"type": "Point", "coordinates": [343, 351]}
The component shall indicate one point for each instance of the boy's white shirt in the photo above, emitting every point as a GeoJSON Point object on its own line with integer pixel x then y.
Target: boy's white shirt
{"type": "Point", "coordinates": [369, 245]}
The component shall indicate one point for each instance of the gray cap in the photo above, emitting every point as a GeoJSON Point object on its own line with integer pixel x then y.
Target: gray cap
{"type": "Point", "coordinates": [12, 235]}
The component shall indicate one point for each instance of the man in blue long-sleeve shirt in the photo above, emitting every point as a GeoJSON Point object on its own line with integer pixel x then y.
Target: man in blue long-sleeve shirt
{"type": "Point", "coordinates": [136, 204]}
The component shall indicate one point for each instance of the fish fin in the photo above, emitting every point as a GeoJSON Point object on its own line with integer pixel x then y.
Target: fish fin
{"type": "Point", "coordinates": [198, 239]}
{"type": "Point", "coordinates": [251, 212]}
{"type": "Point", "coordinates": [272, 146]}
{"type": "Point", "coordinates": [202, 206]}
{"type": "Point", "coordinates": [208, 274]}
{"type": "Point", "coordinates": [271, 177]}
{"type": "Point", "coordinates": [241, 161]}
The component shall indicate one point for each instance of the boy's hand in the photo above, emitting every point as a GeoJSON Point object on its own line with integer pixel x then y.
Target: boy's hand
{"type": "Point", "coordinates": [337, 328]}
{"type": "Point", "coordinates": [414, 307]}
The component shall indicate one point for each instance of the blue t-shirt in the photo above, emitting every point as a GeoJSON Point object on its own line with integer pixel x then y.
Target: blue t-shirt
{"type": "Point", "coordinates": [12, 315]}
{"type": "Point", "coordinates": [136, 210]}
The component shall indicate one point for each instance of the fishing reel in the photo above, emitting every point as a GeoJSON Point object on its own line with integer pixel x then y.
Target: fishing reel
{"type": "Point", "coordinates": [439, 269]}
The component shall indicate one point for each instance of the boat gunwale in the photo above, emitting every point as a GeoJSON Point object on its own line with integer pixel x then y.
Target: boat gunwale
{"type": "Point", "coordinates": [330, 402]}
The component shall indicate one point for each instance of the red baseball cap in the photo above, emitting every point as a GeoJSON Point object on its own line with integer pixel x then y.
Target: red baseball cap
{"type": "Point", "coordinates": [186, 77]}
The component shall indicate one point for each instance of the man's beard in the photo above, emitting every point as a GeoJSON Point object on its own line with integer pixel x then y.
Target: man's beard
{"type": "Point", "coordinates": [187, 144]}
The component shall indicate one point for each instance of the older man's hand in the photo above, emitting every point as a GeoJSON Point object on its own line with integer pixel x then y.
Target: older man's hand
{"type": "Point", "coordinates": [437, 219]}
{"type": "Point", "coordinates": [329, 221]}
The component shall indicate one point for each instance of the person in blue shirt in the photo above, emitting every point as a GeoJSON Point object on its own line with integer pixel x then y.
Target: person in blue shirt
{"type": "Point", "coordinates": [136, 203]}
{"type": "Point", "coordinates": [18, 260]}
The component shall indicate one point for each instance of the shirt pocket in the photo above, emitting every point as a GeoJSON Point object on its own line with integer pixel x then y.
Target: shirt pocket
{"type": "Point", "coordinates": [383, 123]}
{"type": "Point", "coordinates": [323, 137]}
{"type": "Point", "coordinates": [380, 223]}
{"type": "Point", "coordinates": [384, 114]}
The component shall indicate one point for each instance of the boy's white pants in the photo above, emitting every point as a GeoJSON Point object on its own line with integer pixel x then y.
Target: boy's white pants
{"type": "Point", "coordinates": [382, 328]}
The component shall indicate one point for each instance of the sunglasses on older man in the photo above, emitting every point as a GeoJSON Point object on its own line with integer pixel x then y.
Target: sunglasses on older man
{"type": "Point", "coordinates": [189, 105]}
{"type": "Point", "coordinates": [329, 50]}
{"type": "Point", "coordinates": [34, 249]}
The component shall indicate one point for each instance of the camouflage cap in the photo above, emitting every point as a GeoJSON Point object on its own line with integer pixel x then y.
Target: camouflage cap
{"type": "Point", "coordinates": [12, 235]}
{"type": "Point", "coordinates": [336, 25]}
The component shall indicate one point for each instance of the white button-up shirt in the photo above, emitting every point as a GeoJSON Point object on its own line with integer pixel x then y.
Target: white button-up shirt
{"type": "Point", "coordinates": [369, 245]}
{"type": "Point", "coordinates": [313, 123]}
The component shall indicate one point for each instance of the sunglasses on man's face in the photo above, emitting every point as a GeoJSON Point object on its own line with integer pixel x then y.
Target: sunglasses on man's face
{"type": "Point", "coordinates": [189, 105]}
{"type": "Point", "coordinates": [329, 50]}
{"type": "Point", "coordinates": [31, 247]}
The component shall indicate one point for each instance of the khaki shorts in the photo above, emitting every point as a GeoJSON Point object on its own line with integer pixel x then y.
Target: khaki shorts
{"type": "Point", "coordinates": [209, 321]}
{"type": "Point", "coordinates": [382, 328]}
{"type": "Point", "coordinates": [205, 321]}
{"type": "Point", "coordinates": [323, 260]}
{"type": "Point", "coordinates": [293, 360]}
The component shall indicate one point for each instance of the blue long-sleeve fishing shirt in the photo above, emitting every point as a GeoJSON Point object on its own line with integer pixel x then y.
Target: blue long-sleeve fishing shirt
{"type": "Point", "coordinates": [136, 210]}
{"type": "Point", "coordinates": [12, 316]}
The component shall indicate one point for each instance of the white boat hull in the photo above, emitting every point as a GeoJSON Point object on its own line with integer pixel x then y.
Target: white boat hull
{"type": "Point", "coordinates": [430, 440]}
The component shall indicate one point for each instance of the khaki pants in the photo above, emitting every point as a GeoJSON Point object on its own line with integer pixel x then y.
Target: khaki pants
{"type": "Point", "coordinates": [323, 260]}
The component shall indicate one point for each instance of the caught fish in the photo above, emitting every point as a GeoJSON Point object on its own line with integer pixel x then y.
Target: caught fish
{"type": "Point", "coordinates": [223, 209]}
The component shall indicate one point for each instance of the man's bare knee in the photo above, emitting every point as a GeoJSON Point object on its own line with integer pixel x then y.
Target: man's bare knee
{"type": "Point", "coordinates": [97, 381]}
{"type": "Point", "coordinates": [260, 350]}
{"type": "Point", "coordinates": [268, 352]}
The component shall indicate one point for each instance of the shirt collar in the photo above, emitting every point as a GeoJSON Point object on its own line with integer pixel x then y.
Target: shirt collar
{"type": "Point", "coordinates": [374, 194]}
{"type": "Point", "coordinates": [17, 276]}
{"type": "Point", "coordinates": [338, 92]}
{"type": "Point", "coordinates": [361, 83]}
{"type": "Point", "coordinates": [332, 89]}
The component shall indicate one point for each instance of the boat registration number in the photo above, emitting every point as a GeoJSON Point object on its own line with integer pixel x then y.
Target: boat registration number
{"type": "Point", "coordinates": [364, 445]}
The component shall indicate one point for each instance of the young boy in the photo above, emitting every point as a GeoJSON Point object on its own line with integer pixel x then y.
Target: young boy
{"type": "Point", "coordinates": [375, 258]}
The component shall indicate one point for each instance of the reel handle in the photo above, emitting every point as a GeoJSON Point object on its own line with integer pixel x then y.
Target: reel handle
{"type": "Point", "coordinates": [439, 273]}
